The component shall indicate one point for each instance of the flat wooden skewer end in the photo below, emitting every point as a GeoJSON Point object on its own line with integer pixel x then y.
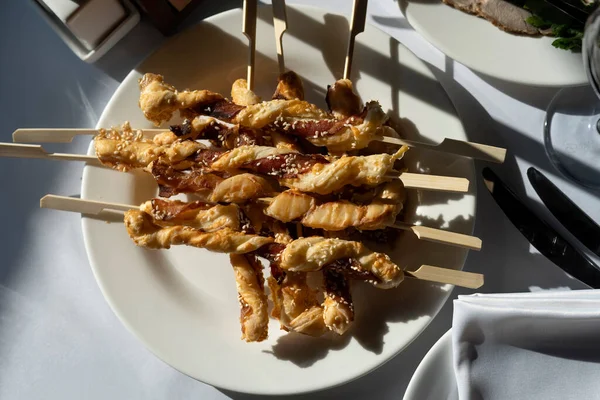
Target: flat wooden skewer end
{"type": "Point", "coordinates": [357, 25]}
{"type": "Point", "coordinates": [449, 276]}
{"type": "Point", "coordinates": [441, 236]}
{"type": "Point", "coordinates": [433, 182]}
{"type": "Point", "coordinates": [13, 150]}
{"type": "Point", "coordinates": [249, 29]}
{"type": "Point", "coordinates": [82, 206]}
{"type": "Point", "coordinates": [473, 150]}
{"type": "Point", "coordinates": [280, 26]}
{"type": "Point", "coordinates": [64, 135]}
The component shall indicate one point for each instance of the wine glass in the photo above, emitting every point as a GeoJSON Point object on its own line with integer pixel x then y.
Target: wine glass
{"type": "Point", "coordinates": [572, 125]}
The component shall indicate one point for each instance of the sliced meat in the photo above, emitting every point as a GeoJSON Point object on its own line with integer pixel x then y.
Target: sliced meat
{"type": "Point", "coordinates": [469, 6]}
{"type": "Point", "coordinates": [506, 16]}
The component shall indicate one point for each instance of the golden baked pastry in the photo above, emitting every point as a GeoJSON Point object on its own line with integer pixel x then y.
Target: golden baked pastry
{"type": "Point", "coordinates": [386, 204]}
{"type": "Point", "coordinates": [146, 233]}
{"type": "Point", "coordinates": [158, 100]}
{"type": "Point", "coordinates": [241, 95]}
{"type": "Point", "coordinates": [254, 316]}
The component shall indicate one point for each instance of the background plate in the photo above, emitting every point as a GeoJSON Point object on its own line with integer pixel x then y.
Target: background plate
{"type": "Point", "coordinates": [479, 45]}
{"type": "Point", "coordinates": [182, 303]}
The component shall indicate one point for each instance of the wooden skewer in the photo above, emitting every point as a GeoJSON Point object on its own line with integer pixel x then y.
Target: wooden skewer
{"type": "Point", "coordinates": [477, 151]}
{"type": "Point", "coordinates": [425, 272]}
{"type": "Point", "coordinates": [280, 25]}
{"type": "Point", "coordinates": [433, 182]}
{"type": "Point", "coordinates": [410, 180]}
{"type": "Point", "coordinates": [451, 146]}
{"type": "Point", "coordinates": [357, 25]}
{"type": "Point", "coordinates": [441, 236]}
{"type": "Point", "coordinates": [458, 147]}
{"type": "Point", "coordinates": [94, 207]}
{"type": "Point", "coordinates": [428, 234]}
{"type": "Point", "coordinates": [82, 206]}
{"type": "Point", "coordinates": [37, 151]}
{"type": "Point", "coordinates": [49, 135]}
{"type": "Point", "coordinates": [249, 29]}
{"type": "Point", "coordinates": [443, 275]}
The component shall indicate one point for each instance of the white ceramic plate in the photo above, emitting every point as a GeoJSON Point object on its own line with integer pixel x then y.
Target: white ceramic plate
{"type": "Point", "coordinates": [478, 44]}
{"type": "Point", "coordinates": [182, 303]}
{"type": "Point", "coordinates": [434, 378]}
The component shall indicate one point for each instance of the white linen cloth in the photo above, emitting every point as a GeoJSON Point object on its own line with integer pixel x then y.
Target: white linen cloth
{"type": "Point", "coordinates": [59, 339]}
{"type": "Point", "coordinates": [543, 345]}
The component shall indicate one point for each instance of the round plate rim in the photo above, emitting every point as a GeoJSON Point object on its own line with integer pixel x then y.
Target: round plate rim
{"type": "Point", "coordinates": [115, 308]}
{"type": "Point", "coordinates": [425, 364]}
{"type": "Point", "coordinates": [531, 80]}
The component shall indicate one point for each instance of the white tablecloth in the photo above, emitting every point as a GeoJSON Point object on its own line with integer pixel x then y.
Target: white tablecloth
{"type": "Point", "coordinates": [58, 337]}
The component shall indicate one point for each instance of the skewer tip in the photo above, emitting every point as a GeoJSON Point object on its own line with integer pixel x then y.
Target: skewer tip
{"type": "Point", "coordinates": [43, 201]}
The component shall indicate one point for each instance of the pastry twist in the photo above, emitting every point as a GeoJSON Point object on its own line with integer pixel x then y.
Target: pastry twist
{"type": "Point", "coordinates": [338, 310]}
{"type": "Point", "coordinates": [292, 205]}
{"type": "Point", "coordinates": [209, 187]}
{"type": "Point", "coordinates": [295, 304]}
{"type": "Point", "coordinates": [341, 99]}
{"type": "Point", "coordinates": [241, 95]}
{"type": "Point", "coordinates": [254, 317]}
{"type": "Point", "coordinates": [339, 136]}
{"type": "Point", "coordinates": [314, 253]}
{"type": "Point", "coordinates": [146, 233]}
{"type": "Point", "coordinates": [197, 215]}
{"type": "Point", "coordinates": [240, 156]}
{"type": "Point", "coordinates": [289, 87]}
{"type": "Point", "coordinates": [356, 171]}
{"type": "Point", "coordinates": [128, 150]}
{"type": "Point", "coordinates": [159, 100]}
{"type": "Point", "coordinates": [310, 173]}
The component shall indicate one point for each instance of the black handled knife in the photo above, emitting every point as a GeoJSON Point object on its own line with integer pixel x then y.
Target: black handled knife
{"type": "Point", "coordinates": [543, 237]}
{"type": "Point", "coordinates": [566, 212]}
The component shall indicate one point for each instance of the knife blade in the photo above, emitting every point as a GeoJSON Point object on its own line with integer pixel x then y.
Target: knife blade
{"type": "Point", "coordinates": [541, 235]}
{"type": "Point", "coordinates": [566, 212]}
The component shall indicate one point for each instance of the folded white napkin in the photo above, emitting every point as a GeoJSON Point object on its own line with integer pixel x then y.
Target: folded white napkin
{"type": "Point", "coordinates": [543, 345]}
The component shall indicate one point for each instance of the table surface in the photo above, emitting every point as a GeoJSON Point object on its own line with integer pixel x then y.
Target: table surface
{"type": "Point", "coordinates": [58, 337]}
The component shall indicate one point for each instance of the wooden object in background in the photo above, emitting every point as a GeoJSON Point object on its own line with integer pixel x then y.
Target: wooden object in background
{"type": "Point", "coordinates": [166, 15]}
